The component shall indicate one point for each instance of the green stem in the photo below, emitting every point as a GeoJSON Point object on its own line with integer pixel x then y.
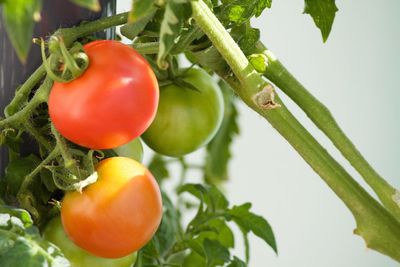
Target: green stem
{"type": "Point", "coordinates": [323, 119]}
{"type": "Point", "coordinates": [69, 162]}
{"type": "Point", "coordinates": [147, 48]}
{"type": "Point", "coordinates": [21, 116]}
{"type": "Point", "coordinates": [378, 227]}
{"type": "Point", "coordinates": [71, 34]}
{"type": "Point", "coordinates": [186, 39]}
{"type": "Point", "coordinates": [153, 47]}
{"type": "Point", "coordinates": [22, 94]}
{"type": "Point", "coordinates": [25, 196]}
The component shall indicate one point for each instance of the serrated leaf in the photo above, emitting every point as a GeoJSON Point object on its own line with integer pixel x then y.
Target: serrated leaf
{"type": "Point", "coordinates": [218, 230]}
{"type": "Point", "coordinates": [239, 11]}
{"type": "Point", "coordinates": [246, 37]}
{"type": "Point", "coordinates": [176, 13]}
{"type": "Point", "coordinates": [141, 9]}
{"type": "Point", "coordinates": [168, 230]}
{"type": "Point", "coordinates": [218, 150]}
{"type": "Point", "coordinates": [209, 194]}
{"type": "Point", "coordinates": [216, 253]}
{"type": "Point", "coordinates": [323, 13]}
{"type": "Point", "coordinates": [21, 244]}
{"type": "Point", "coordinates": [131, 30]}
{"type": "Point", "coordinates": [249, 221]}
{"type": "Point", "coordinates": [93, 5]}
{"type": "Point", "coordinates": [19, 20]}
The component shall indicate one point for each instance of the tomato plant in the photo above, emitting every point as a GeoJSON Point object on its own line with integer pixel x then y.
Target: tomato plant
{"type": "Point", "coordinates": [187, 118]}
{"type": "Point", "coordinates": [118, 214]}
{"type": "Point", "coordinates": [111, 103]}
{"type": "Point", "coordinates": [105, 102]}
{"type": "Point", "coordinates": [54, 232]}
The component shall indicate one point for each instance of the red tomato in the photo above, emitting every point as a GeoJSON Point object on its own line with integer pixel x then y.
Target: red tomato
{"type": "Point", "coordinates": [111, 103]}
{"type": "Point", "coordinates": [118, 214]}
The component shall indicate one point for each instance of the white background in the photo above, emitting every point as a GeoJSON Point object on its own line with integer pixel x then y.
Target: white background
{"type": "Point", "coordinates": [356, 74]}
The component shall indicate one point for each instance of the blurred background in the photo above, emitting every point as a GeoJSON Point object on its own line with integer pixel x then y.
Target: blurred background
{"type": "Point", "coordinates": [355, 73]}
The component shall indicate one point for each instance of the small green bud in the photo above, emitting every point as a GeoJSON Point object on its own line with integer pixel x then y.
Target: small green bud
{"type": "Point", "coordinates": [259, 62]}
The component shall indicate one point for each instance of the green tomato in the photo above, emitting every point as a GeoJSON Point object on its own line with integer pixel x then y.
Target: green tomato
{"type": "Point", "coordinates": [186, 119]}
{"type": "Point", "coordinates": [133, 150]}
{"type": "Point", "coordinates": [78, 257]}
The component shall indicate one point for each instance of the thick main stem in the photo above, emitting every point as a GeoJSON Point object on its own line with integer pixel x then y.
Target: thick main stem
{"type": "Point", "coordinates": [379, 228]}
{"type": "Point", "coordinates": [323, 119]}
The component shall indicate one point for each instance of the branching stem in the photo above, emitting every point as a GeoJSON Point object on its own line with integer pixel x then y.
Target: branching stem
{"type": "Point", "coordinates": [375, 224]}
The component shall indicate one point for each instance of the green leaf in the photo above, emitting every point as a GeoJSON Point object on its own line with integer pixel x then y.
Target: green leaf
{"type": "Point", "coordinates": [209, 57]}
{"type": "Point", "coordinates": [131, 30]}
{"type": "Point", "coordinates": [21, 244]}
{"type": "Point", "coordinates": [216, 253]}
{"type": "Point", "coordinates": [19, 20]}
{"type": "Point", "coordinates": [158, 167]}
{"type": "Point", "coordinates": [141, 9]}
{"type": "Point", "coordinates": [93, 5]}
{"type": "Point", "coordinates": [175, 15]}
{"type": "Point", "coordinates": [217, 229]}
{"type": "Point", "coordinates": [249, 221]}
{"type": "Point", "coordinates": [193, 259]}
{"type": "Point", "coordinates": [239, 11]}
{"type": "Point", "coordinates": [246, 37]}
{"type": "Point", "coordinates": [236, 262]}
{"type": "Point", "coordinates": [168, 230]}
{"type": "Point", "coordinates": [209, 194]}
{"type": "Point", "coordinates": [323, 13]}
{"type": "Point", "coordinates": [219, 149]}
{"type": "Point", "coordinates": [17, 170]}
{"type": "Point", "coordinates": [259, 62]}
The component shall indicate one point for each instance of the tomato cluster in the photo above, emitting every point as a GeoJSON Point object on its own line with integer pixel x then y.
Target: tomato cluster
{"type": "Point", "coordinates": [113, 102]}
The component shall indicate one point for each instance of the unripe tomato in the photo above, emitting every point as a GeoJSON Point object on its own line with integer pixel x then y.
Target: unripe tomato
{"type": "Point", "coordinates": [133, 150]}
{"type": "Point", "coordinates": [111, 103]}
{"type": "Point", "coordinates": [186, 118]}
{"type": "Point", "coordinates": [118, 214]}
{"type": "Point", "coordinates": [78, 257]}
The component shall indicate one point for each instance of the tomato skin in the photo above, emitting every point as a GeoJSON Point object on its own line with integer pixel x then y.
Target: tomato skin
{"type": "Point", "coordinates": [78, 257]}
{"type": "Point", "coordinates": [118, 214]}
{"type": "Point", "coordinates": [133, 150]}
{"type": "Point", "coordinates": [186, 118]}
{"type": "Point", "coordinates": [111, 103]}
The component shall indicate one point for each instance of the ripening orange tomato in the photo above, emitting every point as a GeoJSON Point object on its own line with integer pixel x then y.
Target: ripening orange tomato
{"type": "Point", "coordinates": [116, 215]}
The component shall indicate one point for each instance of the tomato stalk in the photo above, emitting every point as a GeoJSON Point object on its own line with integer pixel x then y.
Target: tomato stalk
{"type": "Point", "coordinates": [25, 197]}
{"type": "Point", "coordinates": [375, 224]}
{"type": "Point", "coordinates": [69, 162]}
{"type": "Point", "coordinates": [277, 73]}
{"type": "Point", "coordinates": [22, 93]}
{"type": "Point", "coordinates": [40, 97]}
